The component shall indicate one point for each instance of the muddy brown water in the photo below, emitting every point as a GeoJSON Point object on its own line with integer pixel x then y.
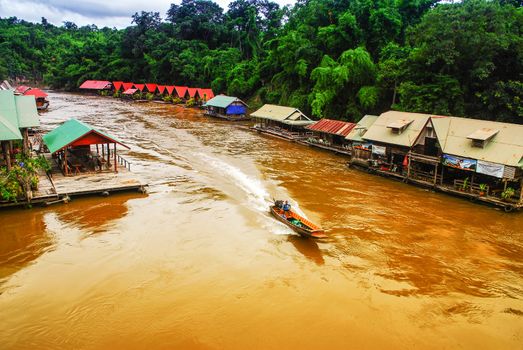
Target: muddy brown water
{"type": "Point", "coordinates": [198, 263]}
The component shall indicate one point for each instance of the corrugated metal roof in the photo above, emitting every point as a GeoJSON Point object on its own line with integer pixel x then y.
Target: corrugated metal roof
{"type": "Point", "coordinates": [286, 115]}
{"type": "Point", "coordinates": [117, 85]}
{"type": "Point", "coordinates": [27, 112]}
{"type": "Point", "coordinates": [69, 132]}
{"type": "Point", "coordinates": [36, 93]}
{"type": "Point", "coordinates": [180, 90]}
{"type": "Point", "coordinates": [335, 127]}
{"type": "Point", "coordinates": [222, 101]}
{"type": "Point", "coordinates": [381, 132]}
{"type": "Point", "coordinates": [130, 91]}
{"type": "Point", "coordinates": [506, 147]}
{"type": "Point", "coordinates": [95, 84]}
{"type": "Point", "coordinates": [8, 117]}
{"type": "Point", "coordinates": [151, 87]}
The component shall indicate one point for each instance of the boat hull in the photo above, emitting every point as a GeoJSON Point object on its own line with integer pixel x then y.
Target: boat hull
{"type": "Point", "coordinates": [309, 229]}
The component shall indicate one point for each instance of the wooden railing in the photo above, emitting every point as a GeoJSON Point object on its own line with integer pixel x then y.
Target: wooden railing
{"type": "Point", "coordinates": [124, 162]}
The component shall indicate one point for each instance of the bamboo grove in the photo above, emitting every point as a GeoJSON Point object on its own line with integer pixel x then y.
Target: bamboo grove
{"type": "Point", "coordinates": [337, 59]}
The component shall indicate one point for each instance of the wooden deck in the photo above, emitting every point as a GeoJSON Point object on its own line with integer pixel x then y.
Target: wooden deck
{"type": "Point", "coordinates": [55, 187]}
{"type": "Point", "coordinates": [334, 149]}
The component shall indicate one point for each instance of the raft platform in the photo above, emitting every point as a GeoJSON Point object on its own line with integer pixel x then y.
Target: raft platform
{"type": "Point", "coordinates": [55, 187]}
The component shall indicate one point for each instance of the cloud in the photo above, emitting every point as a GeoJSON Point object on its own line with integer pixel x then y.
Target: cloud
{"type": "Point", "coordinates": [99, 12]}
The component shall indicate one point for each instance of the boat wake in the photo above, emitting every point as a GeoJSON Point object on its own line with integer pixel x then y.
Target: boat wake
{"type": "Point", "coordinates": [256, 193]}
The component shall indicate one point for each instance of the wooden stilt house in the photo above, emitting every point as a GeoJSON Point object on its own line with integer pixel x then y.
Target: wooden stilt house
{"type": "Point", "coordinates": [330, 134]}
{"type": "Point", "coordinates": [360, 149]}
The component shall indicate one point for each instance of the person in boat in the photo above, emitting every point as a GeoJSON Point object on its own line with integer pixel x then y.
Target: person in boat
{"type": "Point", "coordinates": [286, 208]}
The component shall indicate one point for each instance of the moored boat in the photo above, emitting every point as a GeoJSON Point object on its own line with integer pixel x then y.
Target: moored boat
{"type": "Point", "coordinates": [295, 221]}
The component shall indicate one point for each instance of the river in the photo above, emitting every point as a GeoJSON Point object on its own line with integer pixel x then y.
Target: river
{"type": "Point", "coordinates": [198, 263]}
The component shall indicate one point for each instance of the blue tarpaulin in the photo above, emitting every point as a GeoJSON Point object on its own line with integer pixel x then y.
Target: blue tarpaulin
{"type": "Point", "coordinates": [236, 109]}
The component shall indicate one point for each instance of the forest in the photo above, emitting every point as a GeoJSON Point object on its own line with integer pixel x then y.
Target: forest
{"type": "Point", "coordinates": [338, 59]}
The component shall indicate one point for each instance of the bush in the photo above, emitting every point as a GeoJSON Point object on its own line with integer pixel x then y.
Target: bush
{"type": "Point", "coordinates": [177, 100]}
{"type": "Point", "coordinates": [22, 178]}
{"type": "Point", "coordinates": [167, 98]}
{"type": "Point", "coordinates": [117, 94]}
{"type": "Point", "coordinates": [149, 96]}
{"type": "Point", "coordinates": [190, 102]}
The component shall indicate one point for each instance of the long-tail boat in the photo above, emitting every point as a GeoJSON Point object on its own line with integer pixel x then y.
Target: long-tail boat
{"type": "Point", "coordinates": [298, 223]}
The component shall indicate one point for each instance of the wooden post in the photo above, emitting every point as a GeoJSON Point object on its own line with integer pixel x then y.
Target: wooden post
{"type": "Point", "coordinates": [115, 162]}
{"type": "Point", "coordinates": [25, 143]}
{"type": "Point", "coordinates": [108, 155]}
{"type": "Point", "coordinates": [103, 151]}
{"type": "Point", "coordinates": [436, 174]}
{"type": "Point", "coordinates": [65, 161]}
{"type": "Point", "coordinates": [521, 190]}
{"type": "Point", "coordinates": [97, 151]}
{"type": "Point", "coordinates": [7, 155]}
{"type": "Point", "coordinates": [408, 165]}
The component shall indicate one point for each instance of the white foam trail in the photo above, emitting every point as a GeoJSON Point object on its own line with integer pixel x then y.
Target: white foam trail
{"type": "Point", "coordinates": [257, 194]}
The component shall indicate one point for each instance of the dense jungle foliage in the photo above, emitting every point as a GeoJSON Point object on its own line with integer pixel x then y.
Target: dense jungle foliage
{"type": "Point", "coordinates": [339, 59]}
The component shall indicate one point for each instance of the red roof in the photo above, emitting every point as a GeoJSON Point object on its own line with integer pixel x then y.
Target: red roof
{"type": "Point", "coordinates": [139, 86]}
{"type": "Point", "coordinates": [117, 85]}
{"type": "Point", "coordinates": [206, 94]}
{"type": "Point", "coordinates": [192, 91]}
{"type": "Point", "coordinates": [127, 86]}
{"type": "Point", "coordinates": [95, 84]}
{"type": "Point", "coordinates": [36, 93]}
{"type": "Point", "coordinates": [22, 89]}
{"type": "Point", "coordinates": [130, 91]}
{"type": "Point", "coordinates": [336, 127]}
{"type": "Point", "coordinates": [181, 90]}
{"type": "Point", "coordinates": [151, 87]}
{"type": "Point", "coordinates": [161, 88]}
{"type": "Point", "coordinates": [169, 89]}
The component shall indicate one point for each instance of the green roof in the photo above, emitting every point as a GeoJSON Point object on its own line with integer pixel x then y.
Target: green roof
{"type": "Point", "coordinates": [71, 131]}
{"type": "Point", "coordinates": [222, 101]}
{"type": "Point", "coordinates": [27, 112]}
{"type": "Point", "coordinates": [8, 117]}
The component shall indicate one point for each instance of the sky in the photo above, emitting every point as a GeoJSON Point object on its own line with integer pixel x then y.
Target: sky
{"type": "Point", "coordinates": [110, 13]}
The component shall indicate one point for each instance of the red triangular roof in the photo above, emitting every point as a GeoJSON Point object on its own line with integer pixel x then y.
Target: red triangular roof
{"type": "Point", "coordinates": [161, 88]}
{"type": "Point", "coordinates": [36, 93]}
{"type": "Point", "coordinates": [139, 86]}
{"type": "Point", "coordinates": [117, 85]}
{"type": "Point", "coordinates": [127, 86]}
{"type": "Point", "coordinates": [192, 91]}
{"type": "Point", "coordinates": [95, 84]}
{"type": "Point", "coordinates": [181, 90]}
{"type": "Point", "coordinates": [151, 87]}
{"type": "Point", "coordinates": [170, 89]}
{"type": "Point", "coordinates": [206, 94]}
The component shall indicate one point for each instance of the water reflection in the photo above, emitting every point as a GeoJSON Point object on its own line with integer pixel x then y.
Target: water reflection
{"type": "Point", "coordinates": [94, 214]}
{"type": "Point", "coordinates": [23, 238]}
{"type": "Point", "coordinates": [308, 248]}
